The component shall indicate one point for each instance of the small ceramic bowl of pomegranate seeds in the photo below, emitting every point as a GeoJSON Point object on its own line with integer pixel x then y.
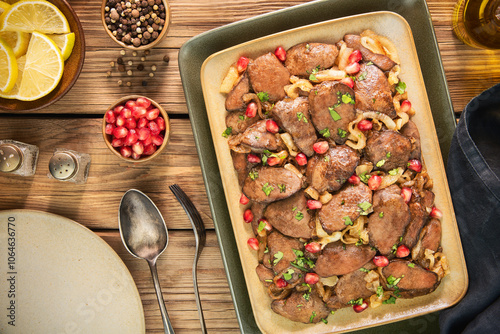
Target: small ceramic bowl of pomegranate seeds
{"type": "Point", "coordinates": [136, 128]}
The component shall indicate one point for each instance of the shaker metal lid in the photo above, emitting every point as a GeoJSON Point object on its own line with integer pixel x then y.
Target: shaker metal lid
{"type": "Point", "coordinates": [63, 165]}
{"type": "Point", "coordinates": [10, 158]}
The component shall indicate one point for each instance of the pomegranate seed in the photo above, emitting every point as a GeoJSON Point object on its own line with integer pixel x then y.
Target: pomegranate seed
{"type": "Point", "coordinates": [244, 200]}
{"type": "Point", "coordinates": [130, 104]}
{"type": "Point", "coordinates": [436, 213]}
{"type": "Point", "coordinates": [405, 106]}
{"type": "Point", "coordinates": [321, 147]}
{"type": "Point", "coordinates": [109, 129]}
{"type": "Point", "coordinates": [147, 141]}
{"type": "Point", "coordinates": [138, 148]}
{"type": "Point", "coordinates": [130, 139]}
{"type": "Point", "coordinates": [406, 194]}
{"type": "Point", "coordinates": [126, 151]}
{"type": "Point", "coordinates": [254, 244]}
{"type": "Point", "coordinates": [415, 165]}
{"type": "Point", "coordinates": [402, 251]}
{"type": "Point", "coordinates": [161, 123]}
{"type": "Point", "coordinates": [120, 120]}
{"type": "Point", "coordinates": [149, 149]}
{"type": "Point", "coordinates": [152, 114]}
{"type": "Point", "coordinates": [348, 81]}
{"type": "Point", "coordinates": [251, 110]}
{"type": "Point", "coordinates": [135, 156]}
{"type": "Point", "coordinates": [360, 308]}
{"type": "Point", "coordinates": [143, 102]}
{"type": "Point", "coordinates": [313, 247]}
{"type": "Point", "coordinates": [313, 204]}
{"type": "Point", "coordinates": [253, 159]}
{"type": "Point", "coordinates": [117, 142]}
{"type": "Point", "coordinates": [365, 125]}
{"type": "Point", "coordinates": [301, 159]}
{"type": "Point", "coordinates": [120, 132]}
{"type": "Point", "coordinates": [311, 278]}
{"type": "Point", "coordinates": [355, 56]}
{"type": "Point", "coordinates": [126, 113]}
{"type": "Point", "coordinates": [242, 64]}
{"type": "Point", "coordinates": [380, 261]}
{"type": "Point", "coordinates": [142, 122]}
{"type": "Point", "coordinates": [354, 179]}
{"type": "Point", "coordinates": [281, 283]}
{"type": "Point", "coordinates": [272, 126]}
{"type": "Point", "coordinates": [110, 117]}
{"type": "Point", "coordinates": [130, 123]}
{"type": "Point", "coordinates": [157, 140]}
{"type": "Point", "coordinates": [154, 128]}
{"type": "Point", "coordinates": [273, 161]}
{"type": "Point", "coordinates": [139, 112]}
{"type": "Point", "coordinates": [118, 109]}
{"type": "Point", "coordinates": [352, 68]}
{"type": "Point", "coordinates": [374, 182]}
{"type": "Point", "coordinates": [267, 226]}
{"type": "Point", "coordinates": [143, 133]}
{"type": "Point", "coordinates": [280, 53]}
{"type": "Point", "coordinates": [248, 216]}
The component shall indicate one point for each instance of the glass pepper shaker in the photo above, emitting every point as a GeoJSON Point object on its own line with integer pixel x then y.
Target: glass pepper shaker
{"type": "Point", "coordinates": [18, 158]}
{"type": "Point", "coordinates": [69, 165]}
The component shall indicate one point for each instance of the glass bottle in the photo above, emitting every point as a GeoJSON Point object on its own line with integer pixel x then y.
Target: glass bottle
{"type": "Point", "coordinates": [477, 23]}
{"type": "Point", "coordinates": [18, 158]}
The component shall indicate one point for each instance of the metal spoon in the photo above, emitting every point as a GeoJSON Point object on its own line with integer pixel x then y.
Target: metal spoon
{"type": "Point", "coordinates": [145, 236]}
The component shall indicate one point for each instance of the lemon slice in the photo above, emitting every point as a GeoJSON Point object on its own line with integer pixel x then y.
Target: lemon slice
{"type": "Point", "coordinates": [43, 70]}
{"type": "Point", "coordinates": [8, 67]}
{"type": "Point", "coordinates": [4, 7]}
{"type": "Point", "coordinates": [12, 94]}
{"type": "Point", "coordinates": [17, 40]}
{"type": "Point", "coordinates": [35, 15]}
{"type": "Point", "coordinates": [65, 42]}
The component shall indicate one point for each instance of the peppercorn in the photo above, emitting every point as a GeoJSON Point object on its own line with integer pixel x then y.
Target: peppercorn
{"type": "Point", "coordinates": [146, 35]}
{"type": "Point", "coordinates": [154, 35]}
{"type": "Point", "coordinates": [135, 13]}
{"type": "Point", "coordinates": [144, 83]}
{"type": "Point", "coordinates": [113, 15]}
{"type": "Point", "coordinates": [108, 74]}
{"type": "Point", "coordinates": [129, 84]}
{"type": "Point", "coordinates": [137, 42]}
{"type": "Point", "coordinates": [140, 67]}
{"type": "Point", "coordinates": [119, 61]}
{"type": "Point", "coordinates": [121, 68]}
{"type": "Point", "coordinates": [151, 2]}
{"type": "Point", "coordinates": [147, 52]}
{"type": "Point", "coordinates": [166, 59]}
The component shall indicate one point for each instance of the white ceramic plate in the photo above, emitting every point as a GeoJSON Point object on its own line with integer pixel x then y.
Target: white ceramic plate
{"type": "Point", "coordinates": [393, 26]}
{"type": "Point", "coordinates": [59, 277]}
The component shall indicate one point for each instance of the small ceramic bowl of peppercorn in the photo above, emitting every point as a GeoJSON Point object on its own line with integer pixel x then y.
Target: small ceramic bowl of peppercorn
{"type": "Point", "coordinates": [136, 24]}
{"type": "Point", "coordinates": [136, 128]}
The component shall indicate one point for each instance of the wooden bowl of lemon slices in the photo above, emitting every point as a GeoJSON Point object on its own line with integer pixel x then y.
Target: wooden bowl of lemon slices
{"type": "Point", "coordinates": [27, 37]}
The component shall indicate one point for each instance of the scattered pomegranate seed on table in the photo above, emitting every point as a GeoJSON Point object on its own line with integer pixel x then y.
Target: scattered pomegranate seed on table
{"type": "Point", "coordinates": [380, 261]}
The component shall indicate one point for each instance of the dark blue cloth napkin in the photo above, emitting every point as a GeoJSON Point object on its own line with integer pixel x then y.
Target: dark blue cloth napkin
{"type": "Point", "coordinates": [473, 172]}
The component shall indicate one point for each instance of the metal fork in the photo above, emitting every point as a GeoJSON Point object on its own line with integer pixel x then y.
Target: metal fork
{"type": "Point", "coordinates": [200, 237]}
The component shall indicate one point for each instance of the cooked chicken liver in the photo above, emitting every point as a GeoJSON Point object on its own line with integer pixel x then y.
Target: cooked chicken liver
{"type": "Point", "coordinates": [293, 116]}
{"type": "Point", "coordinates": [291, 216]}
{"type": "Point", "coordinates": [415, 280]}
{"type": "Point", "coordinates": [238, 122]}
{"type": "Point", "coordinates": [344, 204]}
{"type": "Point", "coordinates": [419, 216]}
{"type": "Point", "coordinates": [430, 238]}
{"type": "Point", "coordinates": [296, 307]}
{"type": "Point", "coordinates": [234, 100]}
{"type": "Point", "coordinates": [266, 275]}
{"type": "Point", "coordinates": [268, 75]}
{"type": "Point", "coordinates": [340, 259]}
{"type": "Point", "coordinates": [332, 106]}
{"type": "Point", "coordinates": [281, 250]}
{"type": "Point", "coordinates": [241, 165]}
{"type": "Point", "coordinates": [373, 92]}
{"type": "Point", "coordinates": [258, 213]}
{"type": "Point", "coordinates": [329, 171]}
{"type": "Point", "coordinates": [382, 61]}
{"type": "Point", "coordinates": [303, 58]}
{"type": "Point", "coordinates": [410, 130]}
{"type": "Point", "coordinates": [388, 149]}
{"type": "Point", "coordinates": [389, 219]}
{"type": "Point", "coordinates": [266, 184]}
{"type": "Point", "coordinates": [352, 286]}
{"type": "Point", "coordinates": [257, 138]}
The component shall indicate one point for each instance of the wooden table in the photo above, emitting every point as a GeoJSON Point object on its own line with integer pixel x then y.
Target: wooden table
{"type": "Point", "coordinates": [74, 122]}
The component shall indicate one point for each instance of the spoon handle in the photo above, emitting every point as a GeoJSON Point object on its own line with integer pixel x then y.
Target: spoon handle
{"type": "Point", "coordinates": [163, 310]}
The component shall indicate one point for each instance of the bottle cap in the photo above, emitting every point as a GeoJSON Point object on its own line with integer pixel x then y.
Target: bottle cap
{"type": "Point", "coordinates": [63, 165]}
{"type": "Point", "coordinates": [10, 158]}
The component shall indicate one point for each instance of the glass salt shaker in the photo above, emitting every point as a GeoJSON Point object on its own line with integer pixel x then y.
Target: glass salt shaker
{"type": "Point", "coordinates": [18, 158]}
{"type": "Point", "coordinates": [69, 165]}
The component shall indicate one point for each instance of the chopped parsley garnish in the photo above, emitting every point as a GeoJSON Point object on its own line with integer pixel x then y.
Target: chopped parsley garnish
{"type": "Point", "coordinates": [325, 132]}
{"type": "Point", "coordinates": [262, 225]}
{"type": "Point", "coordinates": [411, 265]}
{"type": "Point", "coordinates": [268, 280]}
{"type": "Point", "coordinates": [326, 158]}
{"type": "Point", "coordinates": [312, 77]}
{"type": "Point", "coordinates": [388, 155]}
{"type": "Point", "coordinates": [266, 188]}
{"type": "Point", "coordinates": [355, 302]}
{"type": "Point", "coordinates": [359, 242]}
{"type": "Point", "coordinates": [364, 178]}
{"type": "Point", "coordinates": [381, 215]}
{"type": "Point", "coordinates": [294, 208]}
{"type": "Point", "coordinates": [392, 281]}
{"type": "Point", "coordinates": [277, 257]}
{"type": "Point", "coordinates": [380, 291]}
{"type": "Point", "coordinates": [369, 63]}
{"type": "Point", "coordinates": [342, 133]}
{"type": "Point", "coordinates": [364, 270]}
{"type": "Point", "coordinates": [364, 206]}
{"type": "Point", "coordinates": [391, 300]}
{"type": "Point", "coordinates": [306, 296]}
{"type": "Point", "coordinates": [227, 132]}
{"type": "Point", "coordinates": [299, 216]}
{"type": "Point", "coordinates": [263, 96]}
{"type": "Point", "coordinates": [325, 321]}
{"type": "Point", "coordinates": [362, 76]}
{"type": "Point", "coordinates": [380, 163]}
{"type": "Point", "coordinates": [312, 317]}
{"type": "Point", "coordinates": [401, 87]}
{"type": "Point", "coordinates": [343, 202]}
{"type": "Point", "coordinates": [347, 98]}
{"type": "Point", "coordinates": [373, 100]}
{"type": "Point", "coordinates": [308, 46]}
{"type": "Point", "coordinates": [301, 262]}
{"type": "Point", "coordinates": [253, 174]}
{"type": "Point", "coordinates": [242, 117]}
{"type": "Point", "coordinates": [288, 275]}
{"type": "Point", "coordinates": [335, 115]}
{"type": "Point", "coordinates": [282, 187]}
{"type": "Point", "coordinates": [302, 117]}
{"type": "Point", "coordinates": [394, 248]}
{"type": "Point", "coordinates": [267, 250]}
{"type": "Point", "coordinates": [394, 171]}
{"type": "Point", "coordinates": [347, 220]}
